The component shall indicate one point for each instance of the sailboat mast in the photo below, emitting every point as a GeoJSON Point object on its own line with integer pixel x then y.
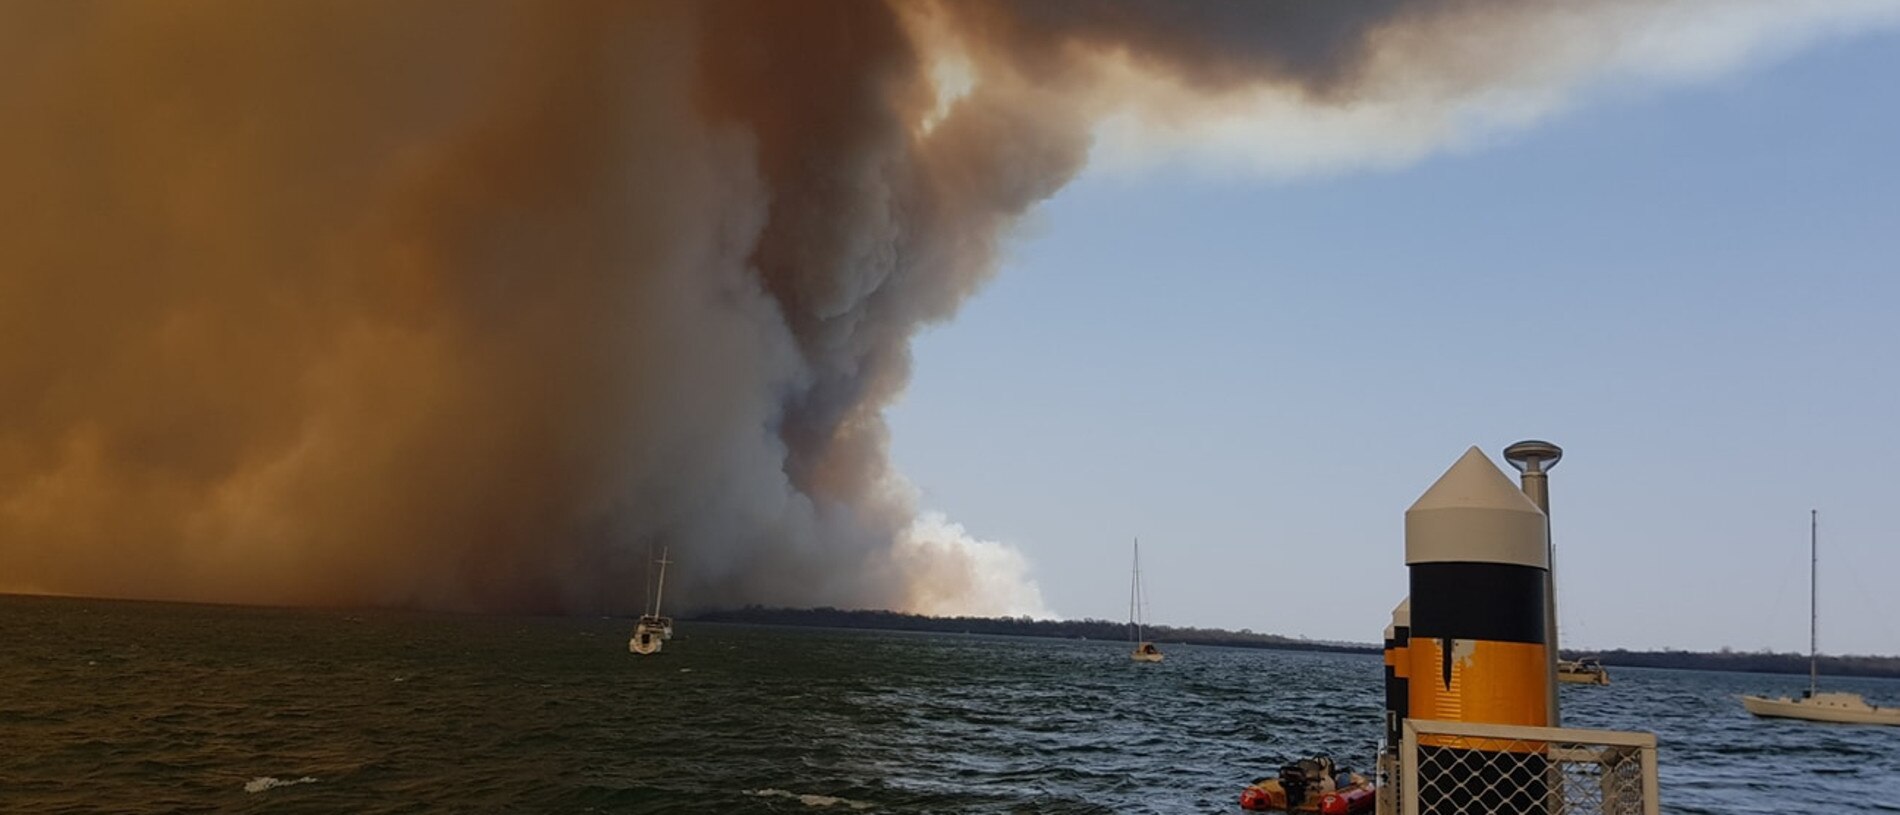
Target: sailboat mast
{"type": "Point", "coordinates": [662, 591]}
{"type": "Point", "coordinates": [1814, 601]}
{"type": "Point", "coordinates": [1134, 594]}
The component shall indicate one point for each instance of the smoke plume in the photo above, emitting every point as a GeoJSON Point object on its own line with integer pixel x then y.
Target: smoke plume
{"type": "Point", "coordinates": [472, 304]}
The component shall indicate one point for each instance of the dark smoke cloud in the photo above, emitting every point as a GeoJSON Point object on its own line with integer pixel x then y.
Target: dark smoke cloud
{"type": "Point", "coordinates": [470, 304]}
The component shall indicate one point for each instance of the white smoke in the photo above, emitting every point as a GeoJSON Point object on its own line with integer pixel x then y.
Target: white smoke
{"type": "Point", "coordinates": [994, 578]}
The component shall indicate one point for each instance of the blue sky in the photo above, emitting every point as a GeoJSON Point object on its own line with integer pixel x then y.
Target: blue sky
{"type": "Point", "coordinates": [1692, 290]}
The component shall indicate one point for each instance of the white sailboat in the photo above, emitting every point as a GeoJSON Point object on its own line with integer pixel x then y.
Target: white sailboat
{"type": "Point", "coordinates": [653, 629]}
{"type": "Point", "coordinates": [1815, 706]}
{"type": "Point", "coordinates": [1145, 651]}
{"type": "Point", "coordinates": [1582, 671]}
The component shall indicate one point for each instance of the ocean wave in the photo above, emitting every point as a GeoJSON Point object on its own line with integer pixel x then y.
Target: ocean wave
{"type": "Point", "coordinates": [265, 782]}
{"type": "Point", "coordinates": [808, 799]}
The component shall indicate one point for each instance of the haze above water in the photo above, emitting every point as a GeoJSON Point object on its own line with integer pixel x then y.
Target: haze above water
{"type": "Point", "coordinates": [146, 708]}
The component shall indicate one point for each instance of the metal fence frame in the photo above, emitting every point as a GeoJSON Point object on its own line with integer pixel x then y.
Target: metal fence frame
{"type": "Point", "coordinates": [1563, 745]}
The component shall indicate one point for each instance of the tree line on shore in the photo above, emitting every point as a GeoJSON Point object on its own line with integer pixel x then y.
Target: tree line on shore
{"type": "Point", "coordinates": [1767, 662]}
{"type": "Point", "coordinates": [1087, 629]}
{"type": "Point", "coordinates": [1093, 629]}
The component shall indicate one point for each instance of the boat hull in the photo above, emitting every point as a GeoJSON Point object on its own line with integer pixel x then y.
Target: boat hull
{"type": "Point", "coordinates": [1582, 672]}
{"type": "Point", "coordinates": [646, 640]}
{"type": "Point", "coordinates": [1825, 707]}
{"type": "Point", "coordinates": [1149, 656]}
{"type": "Point", "coordinates": [1268, 795]}
{"type": "Point", "coordinates": [1584, 678]}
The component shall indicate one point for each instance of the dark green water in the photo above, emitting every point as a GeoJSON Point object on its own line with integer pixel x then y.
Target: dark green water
{"type": "Point", "coordinates": [145, 707]}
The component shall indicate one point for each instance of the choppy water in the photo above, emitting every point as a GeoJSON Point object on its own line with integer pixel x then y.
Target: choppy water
{"type": "Point", "coordinates": [141, 707]}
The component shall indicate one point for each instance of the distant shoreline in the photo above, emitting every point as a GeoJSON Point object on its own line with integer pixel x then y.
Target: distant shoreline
{"type": "Point", "coordinates": [1100, 630]}
{"type": "Point", "coordinates": [1109, 630]}
{"type": "Point", "coordinates": [1726, 660]}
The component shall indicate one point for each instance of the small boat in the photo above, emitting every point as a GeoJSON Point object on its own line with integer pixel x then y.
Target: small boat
{"type": "Point", "coordinates": [652, 630]}
{"type": "Point", "coordinates": [1813, 705]}
{"type": "Point", "coordinates": [1846, 708]}
{"type": "Point", "coordinates": [1145, 651]}
{"type": "Point", "coordinates": [1585, 671]}
{"type": "Point", "coordinates": [1311, 785]}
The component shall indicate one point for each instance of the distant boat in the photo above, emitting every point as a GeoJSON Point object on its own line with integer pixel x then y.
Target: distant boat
{"type": "Point", "coordinates": [652, 630]}
{"type": "Point", "coordinates": [1813, 705]}
{"type": "Point", "coordinates": [1585, 671]}
{"type": "Point", "coordinates": [1145, 651]}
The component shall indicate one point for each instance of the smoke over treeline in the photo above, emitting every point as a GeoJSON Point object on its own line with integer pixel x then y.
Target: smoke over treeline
{"type": "Point", "coordinates": [471, 304]}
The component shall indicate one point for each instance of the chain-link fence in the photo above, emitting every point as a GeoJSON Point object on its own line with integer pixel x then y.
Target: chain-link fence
{"type": "Point", "coordinates": [1459, 768]}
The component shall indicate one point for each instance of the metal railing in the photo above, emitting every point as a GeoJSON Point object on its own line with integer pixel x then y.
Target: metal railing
{"type": "Point", "coordinates": [1459, 768]}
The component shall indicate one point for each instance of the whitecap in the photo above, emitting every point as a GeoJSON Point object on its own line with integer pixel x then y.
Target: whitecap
{"type": "Point", "coordinates": [808, 799]}
{"type": "Point", "coordinates": [264, 782]}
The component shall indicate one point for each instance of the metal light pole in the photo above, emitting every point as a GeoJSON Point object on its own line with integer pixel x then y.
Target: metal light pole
{"type": "Point", "coordinates": [1533, 460]}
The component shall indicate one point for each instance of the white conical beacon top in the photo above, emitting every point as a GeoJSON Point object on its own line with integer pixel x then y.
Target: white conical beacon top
{"type": "Point", "coordinates": [1402, 615]}
{"type": "Point", "coordinates": [1475, 514]}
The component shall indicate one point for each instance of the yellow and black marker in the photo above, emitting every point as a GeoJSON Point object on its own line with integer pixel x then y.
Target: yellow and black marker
{"type": "Point", "coordinates": [1477, 552]}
